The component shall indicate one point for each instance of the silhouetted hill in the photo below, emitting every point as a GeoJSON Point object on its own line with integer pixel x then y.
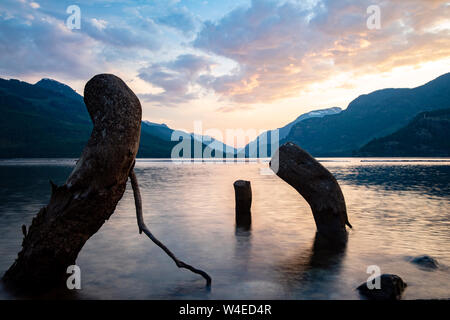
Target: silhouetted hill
{"type": "Point", "coordinates": [369, 116]}
{"type": "Point", "coordinates": [252, 148]}
{"type": "Point", "coordinates": [59, 87]}
{"type": "Point", "coordinates": [37, 122]}
{"type": "Point", "coordinates": [427, 134]}
{"type": "Point", "coordinates": [49, 119]}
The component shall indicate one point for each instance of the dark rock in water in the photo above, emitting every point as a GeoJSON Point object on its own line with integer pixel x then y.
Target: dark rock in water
{"type": "Point", "coordinates": [425, 262]}
{"type": "Point", "coordinates": [391, 288]}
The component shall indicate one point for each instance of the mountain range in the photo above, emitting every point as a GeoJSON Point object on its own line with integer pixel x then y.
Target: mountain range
{"type": "Point", "coordinates": [370, 116]}
{"type": "Point", "coordinates": [427, 134]}
{"type": "Point", "coordinates": [49, 119]}
{"type": "Point", "coordinates": [263, 140]}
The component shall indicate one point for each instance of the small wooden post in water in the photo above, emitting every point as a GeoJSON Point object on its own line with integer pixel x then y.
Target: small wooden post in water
{"type": "Point", "coordinates": [243, 194]}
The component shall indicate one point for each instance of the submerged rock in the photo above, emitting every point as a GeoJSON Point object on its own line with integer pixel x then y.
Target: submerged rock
{"type": "Point", "coordinates": [391, 288]}
{"type": "Point", "coordinates": [425, 261]}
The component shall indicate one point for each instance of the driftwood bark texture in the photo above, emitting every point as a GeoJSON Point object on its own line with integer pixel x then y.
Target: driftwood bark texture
{"type": "Point", "coordinates": [243, 195]}
{"type": "Point", "coordinates": [316, 184]}
{"type": "Point", "coordinates": [79, 208]}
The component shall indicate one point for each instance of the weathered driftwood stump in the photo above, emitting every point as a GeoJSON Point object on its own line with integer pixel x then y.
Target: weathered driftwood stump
{"type": "Point", "coordinates": [317, 185]}
{"type": "Point", "coordinates": [243, 195]}
{"type": "Point", "coordinates": [79, 208]}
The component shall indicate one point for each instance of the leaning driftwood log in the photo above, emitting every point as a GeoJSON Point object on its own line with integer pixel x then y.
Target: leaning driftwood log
{"type": "Point", "coordinates": [79, 208]}
{"type": "Point", "coordinates": [316, 184]}
{"type": "Point", "coordinates": [243, 195]}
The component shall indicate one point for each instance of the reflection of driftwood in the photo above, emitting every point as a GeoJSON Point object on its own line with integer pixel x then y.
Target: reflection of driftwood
{"type": "Point", "coordinates": [316, 184]}
{"type": "Point", "coordinates": [327, 254]}
{"type": "Point", "coordinates": [143, 228]}
{"type": "Point", "coordinates": [243, 195]}
{"type": "Point", "coordinates": [79, 208]}
{"type": "Point", "coordinates": [299, 270]}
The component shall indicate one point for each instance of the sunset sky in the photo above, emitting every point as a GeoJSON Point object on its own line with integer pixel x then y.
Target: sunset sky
{"type": "Point", "coordinates": [232, 64]}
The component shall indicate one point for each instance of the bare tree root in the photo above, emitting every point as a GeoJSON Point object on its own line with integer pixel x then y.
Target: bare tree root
{"type": "Point", "coordinates": [143, 228]}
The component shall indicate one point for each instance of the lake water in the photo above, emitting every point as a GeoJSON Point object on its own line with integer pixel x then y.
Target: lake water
{"type": "Point", "coordinates": [398, 209]}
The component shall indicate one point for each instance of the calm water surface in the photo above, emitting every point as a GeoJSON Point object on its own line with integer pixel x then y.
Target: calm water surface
{"type": "Point", "coordinates": [398, 209]}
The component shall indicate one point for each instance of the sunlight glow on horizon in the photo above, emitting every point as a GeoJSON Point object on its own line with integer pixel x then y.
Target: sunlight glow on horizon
{"type": "Point", "coordinates": [337, 92]}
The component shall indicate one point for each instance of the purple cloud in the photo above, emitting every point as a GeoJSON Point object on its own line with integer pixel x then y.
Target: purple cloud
{"type": "Point", "coordinates": [176, 77]}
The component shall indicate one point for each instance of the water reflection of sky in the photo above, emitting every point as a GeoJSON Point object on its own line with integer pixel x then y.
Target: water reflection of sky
{"type": "Point", "coordinates": [433, 180]}
{"type": "Point", "coordinates": [397, 209]}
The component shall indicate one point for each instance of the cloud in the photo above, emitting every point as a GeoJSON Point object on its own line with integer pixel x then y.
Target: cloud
{"type": "Point", "coordinates": [180, 19]}
{"type": "Point", "coordinates": [142, 34]}
{"type": "Point", "coordinates": [99, 23]}
{"type": "Point", "coordinates": [43, 46]}
{"type": "Point", "coordinates": [262, 52]}
{"type": "Point", "coordinates": [177, 78]}
{"type": "Point", "coordinates": [36, 42]}
{"type": "Point", "coordinates": [281, 48]}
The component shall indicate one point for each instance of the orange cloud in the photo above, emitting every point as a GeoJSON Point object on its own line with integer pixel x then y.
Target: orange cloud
{"type": "Point", "coordinates": [283, 48]}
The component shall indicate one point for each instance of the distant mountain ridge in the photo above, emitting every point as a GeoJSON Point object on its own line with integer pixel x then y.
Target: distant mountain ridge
{"type": "Point", "coordinates": [427, 134]}
{"type": "Point", "coordinates": [38, 122]}
{"type": "Point", "coordinates": [284, 131]}
{"type": "Point", "coordinates": [49, 119]}
{"type": "Point", "coordinates": [59, 87]}
{"type": "Point", "coordinates": [265, 137]}
{"type": "Point", "coordinates": [369, 116]}
{"type": "Point", "coordinates": [162, 130]}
